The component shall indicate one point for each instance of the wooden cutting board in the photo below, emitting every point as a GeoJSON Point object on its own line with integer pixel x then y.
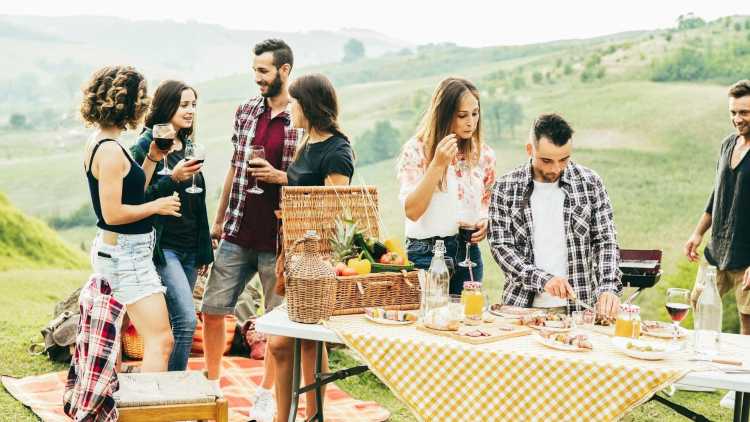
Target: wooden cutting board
{"type": "Point", "coordinates": [497, 331]}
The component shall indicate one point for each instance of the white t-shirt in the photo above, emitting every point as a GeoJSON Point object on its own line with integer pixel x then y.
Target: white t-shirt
{"type": "Point", "coordinates": [550, 249]}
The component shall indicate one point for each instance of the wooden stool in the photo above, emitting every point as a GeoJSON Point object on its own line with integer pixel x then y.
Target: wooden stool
{"type": "Point", "coordinates": [169, 396]}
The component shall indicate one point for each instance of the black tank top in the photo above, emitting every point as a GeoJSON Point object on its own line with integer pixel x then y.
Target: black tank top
{"type": "Point", "coordinates": [132, 194]}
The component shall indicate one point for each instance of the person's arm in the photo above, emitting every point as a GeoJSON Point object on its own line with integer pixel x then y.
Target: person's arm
{"type": "Point", "coordinates": [696, 238]}
{"type": "Point", "coordinates": [109, 164]}
{"type": "Point", "coordinates": [335, 179]}
{"type": "Point", "coordinates": [502, 245]}
{"type": "Point", "coordinates": [163, 186]}
{"type": "Point", "coordinates": [226, 189]}
{"type": "Point", "coordinates": [487, 161]}
{"type": "Point", "coordinates": [419, 199]}
{"type": "Point", "coordinates": [606, 254]}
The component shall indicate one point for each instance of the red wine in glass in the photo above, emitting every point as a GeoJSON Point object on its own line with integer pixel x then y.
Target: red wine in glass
{"type": "Point", "coordinates": [164, 144]}
{"type": "Point", "coordinates": [677, 311]}
{"type": "Point", "coordinates": [466, 232]}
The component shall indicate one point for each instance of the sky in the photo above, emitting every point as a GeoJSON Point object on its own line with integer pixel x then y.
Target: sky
{"type": "Point", "coordinates": [469, 23]}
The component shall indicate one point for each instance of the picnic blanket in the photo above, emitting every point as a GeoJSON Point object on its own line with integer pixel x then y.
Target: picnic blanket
{"type": "Point", "coordinates": [517, 379]}
{"type": "Point", "coordinates": [240, 378]}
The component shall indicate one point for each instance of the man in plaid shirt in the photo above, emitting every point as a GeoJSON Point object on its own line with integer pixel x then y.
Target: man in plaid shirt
{"type": "Point", "coordinates": [245, 222]}
{"type": "Point", "coordinates": [551, 228]}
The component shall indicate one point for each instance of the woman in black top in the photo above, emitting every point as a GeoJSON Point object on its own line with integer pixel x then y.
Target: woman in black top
{"type": "Point", "coordinates": [324, 157]}
{"type": "Point", "coordinates": [182, 249]}
{"type": "Point", "coordinates": [113, 100]}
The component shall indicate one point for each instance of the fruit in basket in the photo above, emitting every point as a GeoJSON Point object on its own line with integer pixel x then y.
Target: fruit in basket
{"type": "Point", "coordinates": [391, 258]}
{"type": "Point", "coordinates": [393, 245]}
{"type": "Point", "coordinates": [348, 272]}
{"type": "Point", "coordinates": [339, 268]}
{"type": "Point", "coordinates": [377, 248]}
{"type": "Point", "coordinates": [360, 265]}
{"type": "Point", "coordinates": [342, 241]}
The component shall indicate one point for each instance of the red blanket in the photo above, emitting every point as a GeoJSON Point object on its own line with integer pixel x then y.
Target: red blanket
{"type": "Point", "coordinates": [241, 376]}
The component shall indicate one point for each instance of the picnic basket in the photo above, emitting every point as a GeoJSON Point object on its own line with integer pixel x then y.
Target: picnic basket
{"type": "Point", "coordinates": [316, 208]}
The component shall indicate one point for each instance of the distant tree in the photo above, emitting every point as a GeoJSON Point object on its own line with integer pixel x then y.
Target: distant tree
{"type": "Point", "coordinates": [747, 24]}
{"type": "Point", "coordinates": [353, 50]}
{"type": "Point", "coordinates": [689, 21]}
{"type": "Point", "coordinates": [558, 62]}
{"type": "Point", "coordinates": [568, 69]}
{"type": "Point", "coordinates": [668, 37]}
{"type": "Point", "coordinates": [379, 143]}
{"type": "Point", "coordinates": [537, 77]}
{"type": "Point", "coordinates": [737, 26]}
{"type": "Point", "coordinates": [501, 116]}
{"type": "Point", "coordinates": [18, 121]}
{"type": "Point", "coordinates": [518, 82]}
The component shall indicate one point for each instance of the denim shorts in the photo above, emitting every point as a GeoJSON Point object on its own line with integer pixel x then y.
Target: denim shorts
{"type": "Point", "coordinates": [128, 266]}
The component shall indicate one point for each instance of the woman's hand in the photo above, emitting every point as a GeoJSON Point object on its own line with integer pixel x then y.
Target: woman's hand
{"type": "Point", "coordinates": [481, 232]}
{"type": "Point", "coordinates": [168, 205]}
{"type": "Point", "coordinates": [446, 151]}
{"type": "Point", "coordinates": [184, 170]}
{"type": "Point", "coordinates": [216, 231]}
{"type": "Point", "coordinates": [202, 270]}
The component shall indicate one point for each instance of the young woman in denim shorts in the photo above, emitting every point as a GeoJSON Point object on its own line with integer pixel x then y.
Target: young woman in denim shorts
{"type": "Point", "coordinates": [446, 166]}
{"type": "Point", "coordinates": [113, 100]}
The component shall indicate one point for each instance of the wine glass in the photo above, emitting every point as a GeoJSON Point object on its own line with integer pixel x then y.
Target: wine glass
{"type": "Point", "coordinates": [678, 305]}
{"type": "Point", "coordinates": [195, 152]}
{"type": "Point", "coordinates": [256, 151]}
{"type": "Point", "coordinates": [468, 214]}
{"type": "Point", "coordinates": [164, 134]}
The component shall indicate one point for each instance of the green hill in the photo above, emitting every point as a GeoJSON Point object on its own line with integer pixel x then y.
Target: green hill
{"type": "Point", "coordinates": [26, 242]}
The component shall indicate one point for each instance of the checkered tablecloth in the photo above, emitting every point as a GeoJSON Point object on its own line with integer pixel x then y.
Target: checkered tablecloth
{"type": "Point", "coordinates": [517, 379]}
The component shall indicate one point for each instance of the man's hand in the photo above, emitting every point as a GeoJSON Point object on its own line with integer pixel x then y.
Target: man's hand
{"type": "Point", "coordinates": [746, 280]}
{"type": "Point", "coordinates": [608, 304]}
{"type": "Point", "coordinates": [265, 172]}
{"type": "Point", "coordinates": [691, 247]}
{"type": "Point", "coordinates": [216, 232]}
{"type": "Point", "coordinates": [202, 270]}
{"type": "Point", "coordinates": [559, 287]}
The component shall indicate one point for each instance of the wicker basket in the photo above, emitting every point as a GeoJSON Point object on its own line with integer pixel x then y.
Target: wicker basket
{"type": "Point", "coordinates": [316, 208]}
{"type": "Point", "coordinates": [132, 343]}
{"type": "Point", "coordinates": [310, 283]}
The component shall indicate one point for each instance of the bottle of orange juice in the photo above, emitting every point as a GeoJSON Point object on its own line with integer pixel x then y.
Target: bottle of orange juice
{"type": "Point", "coordinates": [473, 302]}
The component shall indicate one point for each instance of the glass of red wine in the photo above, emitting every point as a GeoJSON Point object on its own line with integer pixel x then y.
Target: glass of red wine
{"type": "Point", "coordinates": [468, 214]}
{"type": "Point", "coordinates": [678, 305]}
{"type": "Point", "coordinates": [164, 134]}
{"type": "Point", "coordinates": [256, 152]}
{"type": "Point", "coordinates": [197, 153]}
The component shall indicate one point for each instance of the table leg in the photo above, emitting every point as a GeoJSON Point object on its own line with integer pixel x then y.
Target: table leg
{"type": "Point", "coordinates": [745, 407]}
{"type": "Point", "coordinates": [319, 386]}
{"type": "Point", "coordinates": [296, 370]}
{"type": "Point", "coordinates": [741, 406]}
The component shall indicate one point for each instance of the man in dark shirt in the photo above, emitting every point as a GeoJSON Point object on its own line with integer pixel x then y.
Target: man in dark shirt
{"type": "Point", "coordinates": [728, 210]}
{"type": "Point", "coordinates": [245, 220]}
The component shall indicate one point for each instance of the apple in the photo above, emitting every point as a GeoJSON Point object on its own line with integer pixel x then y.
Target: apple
{"type": "Point", "coordinates": [348, 272]}
{"type": "Point", "coordinates": [339, 268]}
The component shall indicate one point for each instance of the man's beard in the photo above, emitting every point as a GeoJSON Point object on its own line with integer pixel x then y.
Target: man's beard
{"type": "Point", "coordinates": [274, 88]}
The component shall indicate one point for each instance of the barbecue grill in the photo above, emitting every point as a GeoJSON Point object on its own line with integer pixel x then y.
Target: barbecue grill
{"type": "Point", "coordinates": [641, 269]}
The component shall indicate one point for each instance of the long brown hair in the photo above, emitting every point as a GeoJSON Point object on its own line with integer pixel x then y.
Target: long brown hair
{"type": "Point", "coordinates": [438, 119]}
{"type": "Point", "coordinates": [317, 98]}
{"type": "Point", "coordinates": [165, 104]}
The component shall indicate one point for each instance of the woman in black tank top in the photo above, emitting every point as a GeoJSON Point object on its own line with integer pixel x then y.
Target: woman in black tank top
{"type": "Point", "coordinates": [115, 99]}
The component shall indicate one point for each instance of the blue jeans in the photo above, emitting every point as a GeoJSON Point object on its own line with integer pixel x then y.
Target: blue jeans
{"type": "Point", "coordinates": [179, 275]}
{"type": "Point", "coordinates": [420, 253]}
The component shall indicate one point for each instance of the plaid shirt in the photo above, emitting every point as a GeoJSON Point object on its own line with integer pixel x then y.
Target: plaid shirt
{"type": "Point", "coordinates": [92, 380]}
{"type": "Point", "coordinates": [245, 120]}
{"type": "Point", "coordinates": [593, 255]}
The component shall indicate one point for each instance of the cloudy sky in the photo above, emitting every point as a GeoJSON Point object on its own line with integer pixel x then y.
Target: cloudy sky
{"type": "Point", "coordinates": [470, 23]}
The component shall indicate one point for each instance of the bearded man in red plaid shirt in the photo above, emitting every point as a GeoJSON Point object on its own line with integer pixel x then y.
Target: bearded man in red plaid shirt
{"type": "Point", "coordinates": [552, 229]}
{"type": "Point", "coordinates": [245, 226]}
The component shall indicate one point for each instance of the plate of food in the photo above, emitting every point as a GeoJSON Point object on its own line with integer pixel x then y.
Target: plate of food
{"type": "Point", "coordinates": [511, 312]}
{"type": "Point", "coordinates": [564, 341]}
{"type": "Point", "coordinates": [552, 322]}
{"type": "Point", "coordinates": [643, 349]}
{"type": "Point", "coordinates": [661, 329]}
{"type": "Point", "coordinates": [389, 317]}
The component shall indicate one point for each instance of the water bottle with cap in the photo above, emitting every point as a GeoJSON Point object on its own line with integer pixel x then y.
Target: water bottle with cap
{"type": "Point", "coordinates": [708, 314]}
{"type": "Point", "coordinates": [438, 279]}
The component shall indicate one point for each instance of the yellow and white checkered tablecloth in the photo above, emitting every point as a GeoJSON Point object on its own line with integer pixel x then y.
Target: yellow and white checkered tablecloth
{"type": "Point", "coordinates": [517, 379]}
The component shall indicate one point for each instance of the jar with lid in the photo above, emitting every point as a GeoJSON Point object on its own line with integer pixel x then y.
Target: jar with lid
{"type": "Point", "coordinates": [628, 323]}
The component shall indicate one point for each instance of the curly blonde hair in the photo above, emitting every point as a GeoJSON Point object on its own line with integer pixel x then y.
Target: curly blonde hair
{"type": "Point", "coordinates": [115, 96]}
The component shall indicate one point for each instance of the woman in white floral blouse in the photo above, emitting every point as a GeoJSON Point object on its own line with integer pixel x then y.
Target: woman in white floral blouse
{"type": "Point", "coordinates": [444, 170]}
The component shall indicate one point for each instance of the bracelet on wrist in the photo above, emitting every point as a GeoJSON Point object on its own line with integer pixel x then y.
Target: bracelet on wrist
{"type": "Point", "coordinates": [151, 159]}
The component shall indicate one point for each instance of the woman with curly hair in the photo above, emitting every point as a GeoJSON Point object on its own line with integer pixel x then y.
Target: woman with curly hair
{"type": "Point", "coordinates": [183, 244]}
{"type": "Point", "coordinates": [113, 100]}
